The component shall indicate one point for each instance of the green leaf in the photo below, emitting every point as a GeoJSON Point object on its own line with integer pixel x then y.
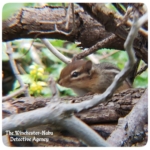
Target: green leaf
{"type": "Point", "coordinates": [66, 91]}
{"type": "Point", "coordinates": [10, 8]}
{"type": "Point", "coordinates": [26, 78]}
{"type": "Point", "coordinates": [57, 43]}
{"type": "Point", "coordinates": [142, 80]}
{"type": "Point", "coordinates": [4, 54]}
{"type": "Point", "coordinates": [46, 91]}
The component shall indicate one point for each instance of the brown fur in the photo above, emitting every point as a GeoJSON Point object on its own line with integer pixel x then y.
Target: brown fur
{"type": "Point", "coordinates": [93, 78]}
{"type": "Point", "coordinates": [70, 67]}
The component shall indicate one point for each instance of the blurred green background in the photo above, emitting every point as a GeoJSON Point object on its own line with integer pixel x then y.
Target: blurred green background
{"type": "Point", "coordinates": [37, 62]}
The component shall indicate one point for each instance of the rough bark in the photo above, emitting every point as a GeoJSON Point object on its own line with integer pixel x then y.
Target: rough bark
{"type": "Point", "coordinates": [41, 23]}
{"type": "Point", "coordinates": [103, 118]}
{"type": "Point", "coordinates": [50, 22]}
{"type": "Point", "coordinates": [118, 106]}
{"type": "Point", "coordinates": [131, 128]}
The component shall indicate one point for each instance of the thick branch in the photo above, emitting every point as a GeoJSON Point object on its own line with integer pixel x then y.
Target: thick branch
{"type": "Point", "coordinates": [44, 20]}
{"type": "Point", "coordinates": [118, 106]}
{"type": "Point", "coordinates": [107, 18]}
{"type": "Point", "coordinates": [41, 23]}
{"type": "Point", "coordinates": [82, 131]}
{"type": "Point", "coordinates": [97, 98]}
{"type": "Point", "coordinates": [131, 128]}
{"type": "Point", "coordinates": [57, 112]}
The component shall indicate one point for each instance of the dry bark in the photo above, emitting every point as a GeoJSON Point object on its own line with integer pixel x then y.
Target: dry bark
{"type": "Point", "coordinates": [88, 29]}
{"type": "Point", "coordinates": [40, 22]}
{"type": "Point", "coordinates": [103, 118]}
{"type": "Point", "coordinates": [118, 106]}
{"type": "Point", "coordinates": [131, 128]}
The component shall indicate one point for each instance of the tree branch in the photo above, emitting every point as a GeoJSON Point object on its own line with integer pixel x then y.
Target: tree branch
{"type": "Point", "coordinates": [130, 129]}
{"type": "Point", "coordinates": [59, 113]}
{"type": "Point", "coordinates": [96, 47]}
{"type": "Point", "coordinates": [14, 68]}
{"type": "Point", "coordinates": [107, 18]}
{"type": "Point", "coordinates": [16, 93]}
{"type": "Point", "coordinates": [55, 51]}
{"type": "Point", "coordinates": [82, 131]}
{"type": "Point", "coordinates": [121, 76]}
{"type": "Point", "coordinates": [86, 30]}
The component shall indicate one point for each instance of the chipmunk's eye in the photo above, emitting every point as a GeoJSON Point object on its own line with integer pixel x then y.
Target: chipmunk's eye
{"type": "Point", "coordinates": [75, 74]}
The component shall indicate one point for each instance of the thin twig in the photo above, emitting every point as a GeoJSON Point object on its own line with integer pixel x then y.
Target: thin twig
{"type": "Point", "coordinates": [54, 89]}
{"type": "Point", "coordinates": [126, 16]}
{"type": "Point", "coordinates": [108, 55]}
{"type": "Point", "coordinates": [55, 51]}
{"type": "Point", "coordinates": [67, 51]}
{"type": "Point", "coordinates": [68, 16]}
{"type": "Point", "coordinates": [16, 93]}
{"type": "Point", "coordinates": [129, 23]}
{"type": "Point", "coordinates": [141, 70]}
{"type": "Point", "coordinates": [31, 44]}
{"type": "Point", "coordinates": [41, 45]}
{"type": "Point", "coordinates": [51, 32]}
{"type": "Point", "coordinates": [96, 47]}
{"type": "Point", "coordinates": [14, 68]}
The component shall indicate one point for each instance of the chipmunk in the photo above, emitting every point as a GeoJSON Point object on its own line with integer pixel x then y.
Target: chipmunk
{"type": "Point", "coordinates": [85, 77]}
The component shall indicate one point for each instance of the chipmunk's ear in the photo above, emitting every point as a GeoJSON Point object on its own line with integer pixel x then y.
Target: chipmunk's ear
{"type": "Point", "coordinates": [87, 66]}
